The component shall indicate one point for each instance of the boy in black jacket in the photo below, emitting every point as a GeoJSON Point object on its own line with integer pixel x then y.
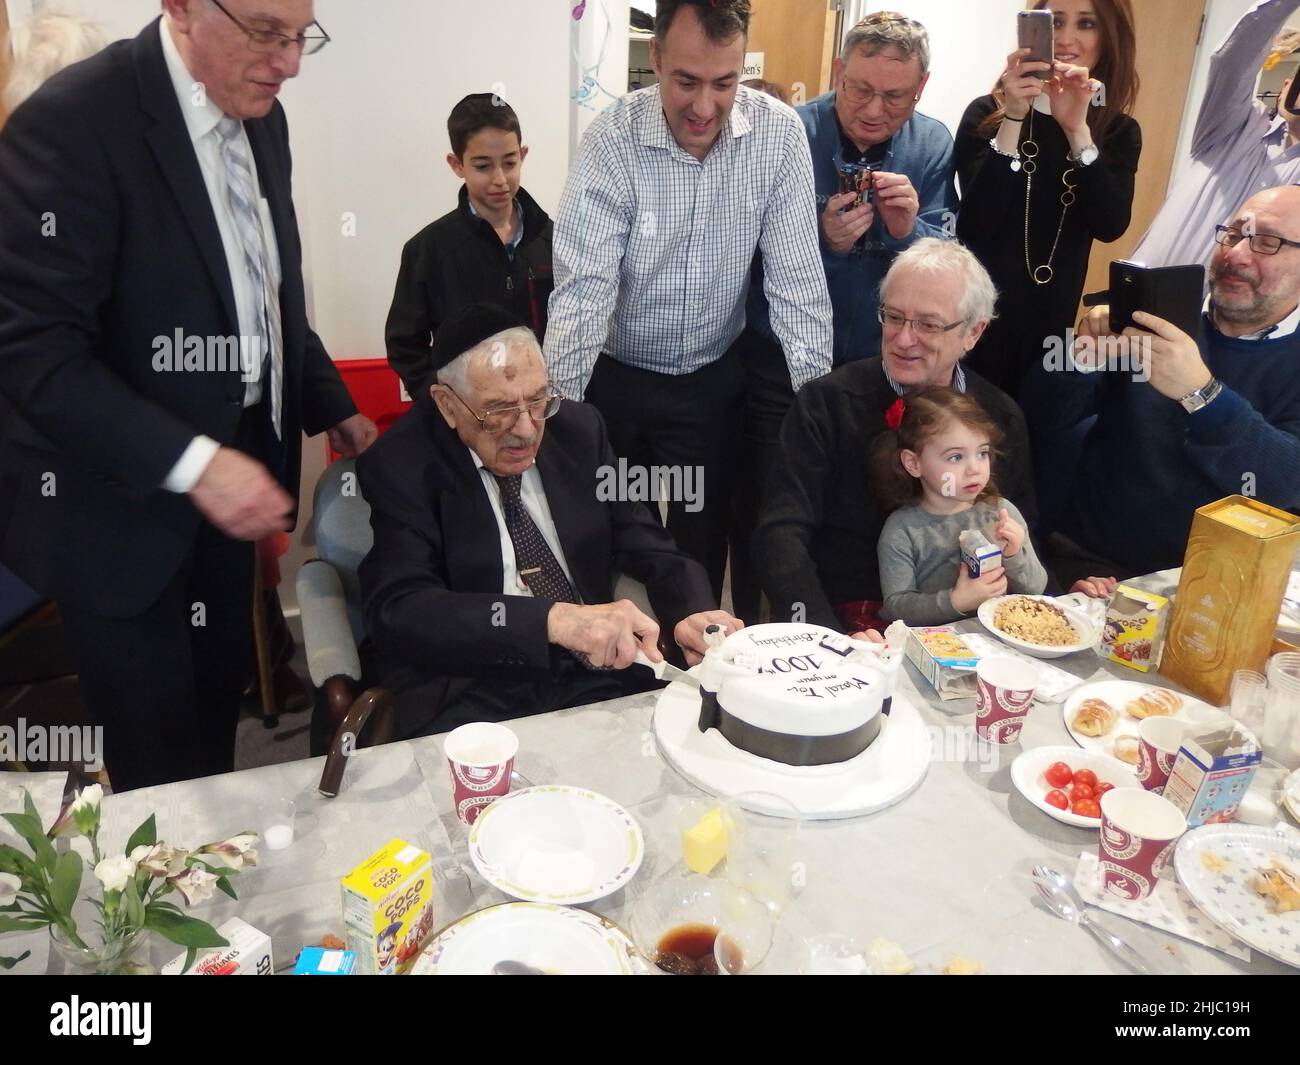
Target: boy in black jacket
{"type": "Point", "coordinates": [495, 247]}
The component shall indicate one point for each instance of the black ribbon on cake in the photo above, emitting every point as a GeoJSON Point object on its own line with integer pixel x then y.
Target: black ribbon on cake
{"type": "Point", "coordinates": [786, 747]}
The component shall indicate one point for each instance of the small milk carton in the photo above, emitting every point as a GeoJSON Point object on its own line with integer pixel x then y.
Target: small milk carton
{"type": "Point", "coordinates": [1134, 624]}
{"type": "Point", "coordinates": [388, 908]}
{"type": "Point", "coordinates": [1211, 776]}
{"type": "Point", "coordinates": [945, 659]}
{"type": "Point", "coordinates": [321, 961]}
{"type": "Point", "coordinates": [978, 554]}
{"type": "Point", "coordinates": [247, 953]}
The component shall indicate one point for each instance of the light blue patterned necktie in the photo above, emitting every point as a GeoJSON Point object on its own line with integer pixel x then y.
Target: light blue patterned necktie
{"type": "Point", "coordinates": [242, 196]}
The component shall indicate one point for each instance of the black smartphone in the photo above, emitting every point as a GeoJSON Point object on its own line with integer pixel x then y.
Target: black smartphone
{"type": "Point", "coordinates": [1174, 293]}
{"type": "Point", "coordinates": [1292, 94]}
{"type": "Point", "coordinates": [857, 178]}
{"type": "Point", "coordinates": [1035, 30]}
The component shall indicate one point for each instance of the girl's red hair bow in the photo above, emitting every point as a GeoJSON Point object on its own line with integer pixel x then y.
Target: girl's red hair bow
{"type": "Point", "coordinates": [894, 415]}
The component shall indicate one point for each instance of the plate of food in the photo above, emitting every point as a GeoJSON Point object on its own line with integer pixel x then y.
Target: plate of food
{"type": "Point", "coordinates": [1039, 625]}
{"type": "Point", "coordinates": [556, 844]}
{"type": "Point", "coordinates": [1067, 783]}
{"type": "Point", "coordinates": [1104, 716]}
{"type": "Point", "coordinates": [1246, 879]}
{"type": "Point", "coordinates": [558, 940]}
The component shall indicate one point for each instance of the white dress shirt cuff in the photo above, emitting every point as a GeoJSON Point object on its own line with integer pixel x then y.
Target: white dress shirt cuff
{"type": "Point", "coordinates": [190, 466]}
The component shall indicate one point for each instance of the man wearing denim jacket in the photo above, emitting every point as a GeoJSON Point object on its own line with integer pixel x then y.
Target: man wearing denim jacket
{"type": "Point", "coordinates": [871, 118]}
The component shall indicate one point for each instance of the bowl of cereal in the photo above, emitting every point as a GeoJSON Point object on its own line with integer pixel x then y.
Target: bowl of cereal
{"type": "Point", "coordinates": [1039, 625]}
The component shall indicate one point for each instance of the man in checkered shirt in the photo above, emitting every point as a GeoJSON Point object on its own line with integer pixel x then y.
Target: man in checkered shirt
{"type": "Point", "coordinates": [675, 188]}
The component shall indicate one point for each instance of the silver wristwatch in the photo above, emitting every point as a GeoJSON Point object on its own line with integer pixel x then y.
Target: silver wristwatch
{"type": "Point", "coordinates": [1202, 397]}
{"type": "Point", "coordinates": [1087, 156]}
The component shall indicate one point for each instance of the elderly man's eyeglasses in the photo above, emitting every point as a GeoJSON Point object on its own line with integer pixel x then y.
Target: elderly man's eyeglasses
{"type": "Point", "coordinates": [499, 419]}
{"type": "Point", "coordinates": [1260, 243]}
{"type": "Point", "coordinates": [271, 41]}
{"type": "Point", "coordinates": [860, 95]}
{"type": "Point", "coordinates": [925, 327]}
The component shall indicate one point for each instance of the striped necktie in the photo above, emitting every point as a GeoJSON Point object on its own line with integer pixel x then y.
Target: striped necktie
{"type": "Point", "coordinates": [242, 197]}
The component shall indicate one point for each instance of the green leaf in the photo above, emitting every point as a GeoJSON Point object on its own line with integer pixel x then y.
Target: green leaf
{"type": "Point", "coordinates": [21, 924]}
{"type": "Point", "coordinates": [224, 885]}
{"type": "Point", "coordinates": [29, 807]}
{"type": "Point", "coordinates": [9, 963]}
{"type": "Point", "coordinates": [144, 836]}
{"type": "Point", "coordinates": [66, 882]}
{"type": "Point", "coordinates": [132, 905]}
{"type": "Point", "coordinates": [29, 828]}
{"type": "Point", "coordinates": [14, 861]}
{"type": "Point", "coordinates": [186, 931]}
{"type": "Point", "coordinates": [190, 952]}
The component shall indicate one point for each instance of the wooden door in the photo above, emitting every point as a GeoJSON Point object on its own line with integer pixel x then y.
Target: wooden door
{"type": "Point", "coordinates": [1167, 36]}
{"type": "Point", "coordinates": [798, 41]}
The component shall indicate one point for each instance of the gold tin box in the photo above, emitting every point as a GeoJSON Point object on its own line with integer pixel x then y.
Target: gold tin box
{"type": "Point", "coordinates": [1239, 557]}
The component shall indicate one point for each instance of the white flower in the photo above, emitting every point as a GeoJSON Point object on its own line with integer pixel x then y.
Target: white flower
{"type": "Point", "coordinates": [159, 859]}
{"type": "Point", "coordinates": [195, 884]}
{"type": "Point", "coordinates": [9, 886]}
{"type": "Point", "coordinates": [234, 853]}
{"type": "Point", "coordinates": [85, 808]}
{"type": "Point", "coordinates": [114, 872]}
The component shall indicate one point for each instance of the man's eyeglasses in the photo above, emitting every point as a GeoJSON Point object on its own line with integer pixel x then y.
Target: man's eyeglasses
{"type": "Point", "coordinates": [1260, 243]}
{"type": "Point", "coordinates": [499, 419]}
{"type": "Point", "coordinates": [860, 95]}
{"type": "Point", "coordinates": [270, 41]}
{"type": "Point", "coordinates": [925, 327]}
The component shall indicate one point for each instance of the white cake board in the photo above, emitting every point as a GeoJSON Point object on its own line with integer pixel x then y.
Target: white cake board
{"type": "Point", "coordinates": [885, 773]}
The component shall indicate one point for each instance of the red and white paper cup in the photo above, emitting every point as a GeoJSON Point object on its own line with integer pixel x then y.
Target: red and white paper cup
{"type": "Point", "coordinates": [1159, 739]}
{"type": "Point", "coordinates": [1005, 692]}
{"type": "Point", "coordinates": [481, 756]}
{"type": "Point", "coordinates": [1138, 832]}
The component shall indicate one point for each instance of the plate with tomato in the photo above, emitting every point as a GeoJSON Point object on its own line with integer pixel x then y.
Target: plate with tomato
{"type": "Point", "coordinates": [1067, 783]}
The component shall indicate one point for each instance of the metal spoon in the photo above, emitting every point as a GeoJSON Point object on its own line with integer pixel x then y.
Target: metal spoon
{"type": "Point", "coordinates": [510, 967]}
{"type": "Point", "coordinates": [1064, 901]}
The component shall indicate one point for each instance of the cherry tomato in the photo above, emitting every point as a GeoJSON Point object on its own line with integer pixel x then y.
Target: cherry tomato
{"type": "Point", "coordinates": [1057, 799]}
{"type": "Point", "coordinates": [1085, 808]}
{"type": "Point", "coordinates": [1101, 789]}
{"type": "Point", "coordinates": [1085, 776]}
{"type": "Point", "coordinates": [1059, 774]}
{"type": "Point", "coordinates": [1080, 791]}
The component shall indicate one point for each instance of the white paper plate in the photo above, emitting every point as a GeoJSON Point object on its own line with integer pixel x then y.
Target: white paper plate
{"type": "Point", "coordinates": [1227, 898]}
{"type": "Point", "coordinates": [1028, 769]}
{"type": "Point", "coordinates": [1118, 694]}
{"type": "Point", "coordinates": [555, 939]}
{"type": "Point", "coordinates": [1090, 634]}
{"type": "Point", "coordinates": [1291, 795]}
{"type": "Point", "coordinates": [556, 844]}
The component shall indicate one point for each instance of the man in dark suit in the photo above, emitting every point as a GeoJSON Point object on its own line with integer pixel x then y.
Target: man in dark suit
{"type": "Point", "coordinates": [499, 525]}
{"type": "Point", "coordinates": [156, 366]}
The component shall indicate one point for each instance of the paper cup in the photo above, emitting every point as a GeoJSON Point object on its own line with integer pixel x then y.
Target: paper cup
{"type": "Point", "coordinates": [481, 756]}
{"type": "Point", "coordinates": [1005, 688]}
{"type": "Point", "coordinates": [1138, 833]}
{"type": "Point", "coordinates": [1158, 741]}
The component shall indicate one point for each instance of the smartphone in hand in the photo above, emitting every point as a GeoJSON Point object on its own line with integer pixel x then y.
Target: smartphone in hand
{"type": "Point", "coordinates": [1174, 293]}
{"type": "Point", "coordinates": [1036, 31]}
{"type": "Point", "coordinates": [857, 179]}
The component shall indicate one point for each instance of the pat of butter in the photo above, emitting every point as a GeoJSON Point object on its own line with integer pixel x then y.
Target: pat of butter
{"type": "Point", "coordinates": [705, 842]}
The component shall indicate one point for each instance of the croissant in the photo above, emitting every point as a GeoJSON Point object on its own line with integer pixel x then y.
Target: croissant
{"type": "Point", "coordinates": [1158, 702]}
{"type": "Point", "coordinates": [1126, 749]}
{"type": "Point", "coordinates": [1095, 718]}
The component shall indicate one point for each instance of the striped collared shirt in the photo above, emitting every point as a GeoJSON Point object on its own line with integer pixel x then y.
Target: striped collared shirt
{"type": "Point", "coordinates": [958, 380]}
{"type": "Point", "coordinates": [652, 247]}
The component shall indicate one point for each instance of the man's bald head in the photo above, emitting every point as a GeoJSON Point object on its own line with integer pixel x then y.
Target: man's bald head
{"type": "Point", "coordinates": [1251, 289]}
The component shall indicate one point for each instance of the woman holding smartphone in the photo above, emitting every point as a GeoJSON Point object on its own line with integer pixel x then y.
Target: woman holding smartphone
{"type": "Point", "coordinates": [1047, 165]}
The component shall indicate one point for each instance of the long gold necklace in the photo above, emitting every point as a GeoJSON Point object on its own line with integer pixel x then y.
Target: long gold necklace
{"type": "Point", "coordinates": [1042, 275]}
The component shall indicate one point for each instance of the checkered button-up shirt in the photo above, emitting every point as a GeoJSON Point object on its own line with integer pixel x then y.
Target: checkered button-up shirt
{"type": "Point", "coordinates": [652, 247]}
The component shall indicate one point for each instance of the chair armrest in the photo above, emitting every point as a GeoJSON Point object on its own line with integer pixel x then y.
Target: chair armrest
{"type": "Point", "coordinates": [328, 642]}
{"type": "Point", "coordinates": [373, 701]}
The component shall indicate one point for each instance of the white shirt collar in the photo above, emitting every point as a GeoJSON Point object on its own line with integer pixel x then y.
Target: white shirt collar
{"type": "Point", "coordinates": [1285, 328]}
{"type": "Point", "coordinates": [201, 118]}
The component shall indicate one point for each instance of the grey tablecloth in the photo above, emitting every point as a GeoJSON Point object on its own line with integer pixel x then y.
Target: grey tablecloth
{"type": "Point", "coordinates": [941, 873]}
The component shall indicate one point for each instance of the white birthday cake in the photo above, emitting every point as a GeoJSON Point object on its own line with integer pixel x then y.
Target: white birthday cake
{"type": "Point", "coordinates": [801, 695]}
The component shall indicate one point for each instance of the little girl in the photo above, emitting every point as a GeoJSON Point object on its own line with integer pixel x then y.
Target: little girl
{"type": "Point", "coordinates": [932, 475]}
